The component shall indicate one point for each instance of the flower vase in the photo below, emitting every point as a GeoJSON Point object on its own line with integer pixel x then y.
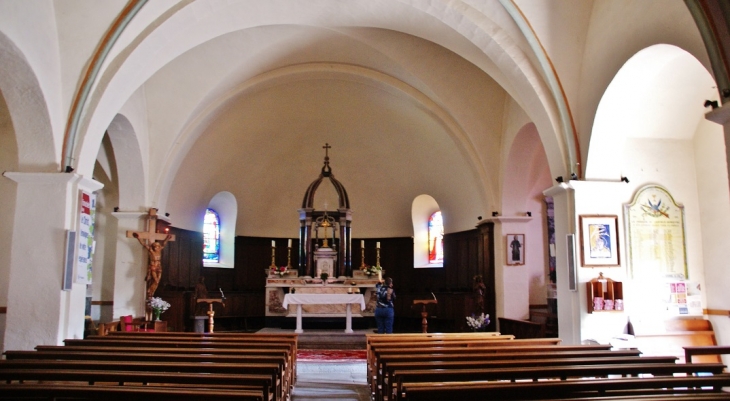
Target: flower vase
{"type": "Point", "coordinates": [157, 314]}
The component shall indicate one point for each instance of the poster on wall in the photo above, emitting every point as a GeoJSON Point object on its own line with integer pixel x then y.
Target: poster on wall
{"type": "Point", "coordinates": [85, 250]}
{"type": "Point", "coordinates": [655, 235]}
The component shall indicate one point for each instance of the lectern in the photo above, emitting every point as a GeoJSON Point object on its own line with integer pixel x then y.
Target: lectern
{"type": "Point", "coordinates": [424, 313]}
{"type": "Point", "coordinates": [211, 313]}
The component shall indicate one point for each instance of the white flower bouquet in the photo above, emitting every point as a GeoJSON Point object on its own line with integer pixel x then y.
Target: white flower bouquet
{"type": "Point", "coordinates": [158, 304]}
{"type": "Point", "coordinates": [477, 323]}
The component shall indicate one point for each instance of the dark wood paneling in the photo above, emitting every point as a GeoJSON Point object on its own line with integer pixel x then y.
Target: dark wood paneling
{"type": "Point", "coordinates": [466, 254]}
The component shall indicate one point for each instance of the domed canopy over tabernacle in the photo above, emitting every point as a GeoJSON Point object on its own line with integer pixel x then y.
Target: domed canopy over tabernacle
{"type": "Point", "coordinates": [312, 220]}
{"type": "Point", "coordinates": [344, 200]}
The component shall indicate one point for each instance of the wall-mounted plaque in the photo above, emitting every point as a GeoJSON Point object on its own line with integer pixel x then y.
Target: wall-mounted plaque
{"type": "Point", "coordinates": [655, 234]}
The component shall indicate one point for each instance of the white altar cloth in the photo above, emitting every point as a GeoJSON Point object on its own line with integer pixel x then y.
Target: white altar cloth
{"type": "Point", "coordinates": [319, 299]}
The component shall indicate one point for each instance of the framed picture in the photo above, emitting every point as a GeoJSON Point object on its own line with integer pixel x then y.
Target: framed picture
{"type": "Point", "coordinates": [515, 249]}
{"type": "Point", "coordinates": [599, 240]}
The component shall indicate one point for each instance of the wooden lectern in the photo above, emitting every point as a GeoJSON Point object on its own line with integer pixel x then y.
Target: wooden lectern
{"type": "Point", "coordinates": [211, 313]}
{"type": "Point", "coordinates": [424, 313]}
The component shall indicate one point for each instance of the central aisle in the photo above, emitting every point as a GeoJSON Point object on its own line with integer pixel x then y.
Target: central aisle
{"type": "Point", "coordinates": [331, 381]}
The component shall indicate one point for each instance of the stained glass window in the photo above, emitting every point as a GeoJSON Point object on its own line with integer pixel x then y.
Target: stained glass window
{"type": "Point", "coordinates": [211, 237]}
{"type": "Point", "coordinates": [436, 238]}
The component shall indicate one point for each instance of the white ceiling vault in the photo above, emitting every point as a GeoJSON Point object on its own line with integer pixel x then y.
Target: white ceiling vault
{"type": "Point", "coordinates": [414, 96]}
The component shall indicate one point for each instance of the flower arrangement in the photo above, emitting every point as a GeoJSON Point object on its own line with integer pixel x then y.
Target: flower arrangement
{"type": "Point", "coordinates": [477, 323]}
{"type": "Point", "coordinates": [324, 276]}
{"type": "Point", "coordinates": [281, 271]}
{"type": "Point", "coordinates": [372, 270]}
{"type": "Point", "coordinates": [158, 305]}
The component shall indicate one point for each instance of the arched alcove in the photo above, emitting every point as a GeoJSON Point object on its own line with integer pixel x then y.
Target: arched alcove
{"type": "Point", "coordinates": [225, 204]}
{"type": "Point", "coordinates": [421, 210]}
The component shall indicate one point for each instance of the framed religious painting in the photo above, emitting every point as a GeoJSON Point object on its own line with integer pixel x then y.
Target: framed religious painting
{"type": "Point", "coordinates": [599, 240]}
{"type": "Point", "coordinates": [515, 249]}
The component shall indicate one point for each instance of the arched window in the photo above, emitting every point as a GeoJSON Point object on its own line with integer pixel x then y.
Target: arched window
{"type": "Point", "coordinates": [211, 237]}
{"type": "Point", "coordinates": [436, 238]}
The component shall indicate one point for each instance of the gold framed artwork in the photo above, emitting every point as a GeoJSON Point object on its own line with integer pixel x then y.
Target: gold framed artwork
{"type": "Point", "coordinates": [599, 245]}
{"type": "Point", "coordinates": [515, 249]}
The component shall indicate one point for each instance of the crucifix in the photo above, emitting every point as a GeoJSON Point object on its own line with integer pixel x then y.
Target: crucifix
{"type": "Point", "coordinates": [149, 239]}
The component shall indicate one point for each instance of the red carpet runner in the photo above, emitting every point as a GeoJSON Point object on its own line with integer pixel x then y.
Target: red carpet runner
{"type": "Point", "coordinates": [331, 355]}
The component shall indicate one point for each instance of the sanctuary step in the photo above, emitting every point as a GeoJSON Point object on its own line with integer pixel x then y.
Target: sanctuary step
{"type": "Point", "coordinates": [326, 339]}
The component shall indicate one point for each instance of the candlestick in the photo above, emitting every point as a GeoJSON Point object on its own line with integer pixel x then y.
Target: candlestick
{"type": "Point", "coordinates": [362, 243]}
{"type": "Point", "coordinates": [273, 255]}
{"type": "Point", "coordinates": [289, 243]}
{"type": "Point", "coordinates": [288, 257]}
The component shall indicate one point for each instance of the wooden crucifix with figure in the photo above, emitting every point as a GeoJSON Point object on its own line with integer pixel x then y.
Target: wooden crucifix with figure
{"type": "Point", "coordinates": [149, 239]}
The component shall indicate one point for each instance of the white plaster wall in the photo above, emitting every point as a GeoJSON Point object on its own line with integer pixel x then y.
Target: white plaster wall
{"type": "Point", "coordinates": [709, 147]}
{"type": "Point", "coordinates": [274, 160]}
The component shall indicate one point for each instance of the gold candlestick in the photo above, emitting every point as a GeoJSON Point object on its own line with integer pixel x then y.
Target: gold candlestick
{"type": "Point", "coordinates": [273, 256]}
{"type": "Point", "coordinates": [288, 258]}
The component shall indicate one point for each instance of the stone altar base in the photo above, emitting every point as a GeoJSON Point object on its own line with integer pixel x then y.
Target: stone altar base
{"type": "Point", "coordinates": [326, 339]}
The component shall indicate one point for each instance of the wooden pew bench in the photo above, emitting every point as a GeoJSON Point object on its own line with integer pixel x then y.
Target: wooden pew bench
{"type": "Point", "coordinates": [50, 391]}
{"type": "Point", "coordinates": [204, 369]}
{"type": "Point", "coordinates": [521, 328]}
{"type": "Point", "coordinates": [521, 350]}
{"type": "Point", "coordinates": [388, 381]}
{"type": "Point", "coordinates": [598, 389]}
{"type": "Point", "coordinates": [68, 376]}
{"type": "Point", "coordinates": [405, 377]}
{"type": "Point", "coordinates": [427, 346]}
{"type": "Point", "coordinates": [714, 350]}
{"type": "Point", "coordinates": [195, 363]}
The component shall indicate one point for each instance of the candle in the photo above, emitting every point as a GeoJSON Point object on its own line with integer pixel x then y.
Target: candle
{"type": "Point", "coordinates": [273, 243]}
{"type": "Point", "coordinates": [377, 245]}
{"type": "Point", "coordinates": [362, 243]}
{"type": "Point", "coordinates": [289, 243]}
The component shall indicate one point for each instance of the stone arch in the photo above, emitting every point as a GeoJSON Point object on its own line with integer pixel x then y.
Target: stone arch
{"type": "Point", "coordinates": [30, 117]}
{"type": "Point", "coordinates": [657, 93]}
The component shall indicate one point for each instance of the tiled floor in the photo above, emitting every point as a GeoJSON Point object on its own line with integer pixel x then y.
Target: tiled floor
{"type": "Point", "coordinates": [331, 381]}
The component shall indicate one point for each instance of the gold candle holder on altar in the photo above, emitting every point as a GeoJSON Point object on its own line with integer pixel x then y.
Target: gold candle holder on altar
{"type": "Point", "coordinates": [288, 256]}
{"type": "Point", "coordinates": [363, 266]}
{"type": "Point", "coordinates": [377, 261]}
{"type": "Point", "coordinates": [273, 254]}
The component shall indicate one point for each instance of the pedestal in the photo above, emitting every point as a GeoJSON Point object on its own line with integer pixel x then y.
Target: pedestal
{"type": "Point", "coordinates": [211, 312]}
{"type": "Point", "coordinates": [424, 312]}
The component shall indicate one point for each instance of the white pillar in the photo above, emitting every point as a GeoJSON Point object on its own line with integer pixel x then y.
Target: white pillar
{"type": "Point", "coordinates": [130, 266]}
{"type": "Point", "coordinates": [39, 311]}
{"type": "Point", "coordinates": [569, 312]}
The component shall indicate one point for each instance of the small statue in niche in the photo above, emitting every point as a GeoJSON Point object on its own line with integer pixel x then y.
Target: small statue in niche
{"type": "Point", "coordinates": [479, 290]}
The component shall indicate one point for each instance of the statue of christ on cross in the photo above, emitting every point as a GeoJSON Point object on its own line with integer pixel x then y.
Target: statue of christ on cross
{"type": "Point", "coordinates": [148, 239]}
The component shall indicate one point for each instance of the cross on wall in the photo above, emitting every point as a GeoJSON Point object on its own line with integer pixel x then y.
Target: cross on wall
{"type": "Point", "coordinates": [151, 235]}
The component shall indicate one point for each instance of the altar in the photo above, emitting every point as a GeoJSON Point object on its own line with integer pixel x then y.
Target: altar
{"type": "Point", "coordinates": [278, 287]}
{"type": "Point", "coordinates": [324, 299]}
{"type": "Point", "coordinates": [323, 282]}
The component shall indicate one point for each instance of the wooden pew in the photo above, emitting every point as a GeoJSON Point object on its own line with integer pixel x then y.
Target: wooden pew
{"type": "Point", "coordinates": [692, 351]}
{"type": "Point", "coordinates": [388, 381]}
{"type": "Point", "coordinates": [66, 375]}
{"type": "Point", "coordinates": [205, 369]}
{"type": "Point", "coordinates": [485, 350]}
{"type": "Point", "coordinates": [423, 343]}
{"type": "Point", "coordinates": [278, 359]}
{"type": "Point", "coordinates": [536, 373]}
{"type": "Point", "coordinates": [155, 342]}
{"type": "Point", "coordinates": [49, 391]}
{"type": "Point", "coordinates": [598, 389]}
{"type": "Point", "coordinates": [521, 328]}
{"type": "Point", "coordinates": [487, 353]}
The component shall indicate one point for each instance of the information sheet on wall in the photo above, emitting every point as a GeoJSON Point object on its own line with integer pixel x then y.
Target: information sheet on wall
{"type": "Point", "coordinates": [655, 235]}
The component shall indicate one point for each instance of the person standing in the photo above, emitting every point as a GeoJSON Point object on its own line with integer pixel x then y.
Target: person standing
{"type": "Point", "coordinates": [384, 311]}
